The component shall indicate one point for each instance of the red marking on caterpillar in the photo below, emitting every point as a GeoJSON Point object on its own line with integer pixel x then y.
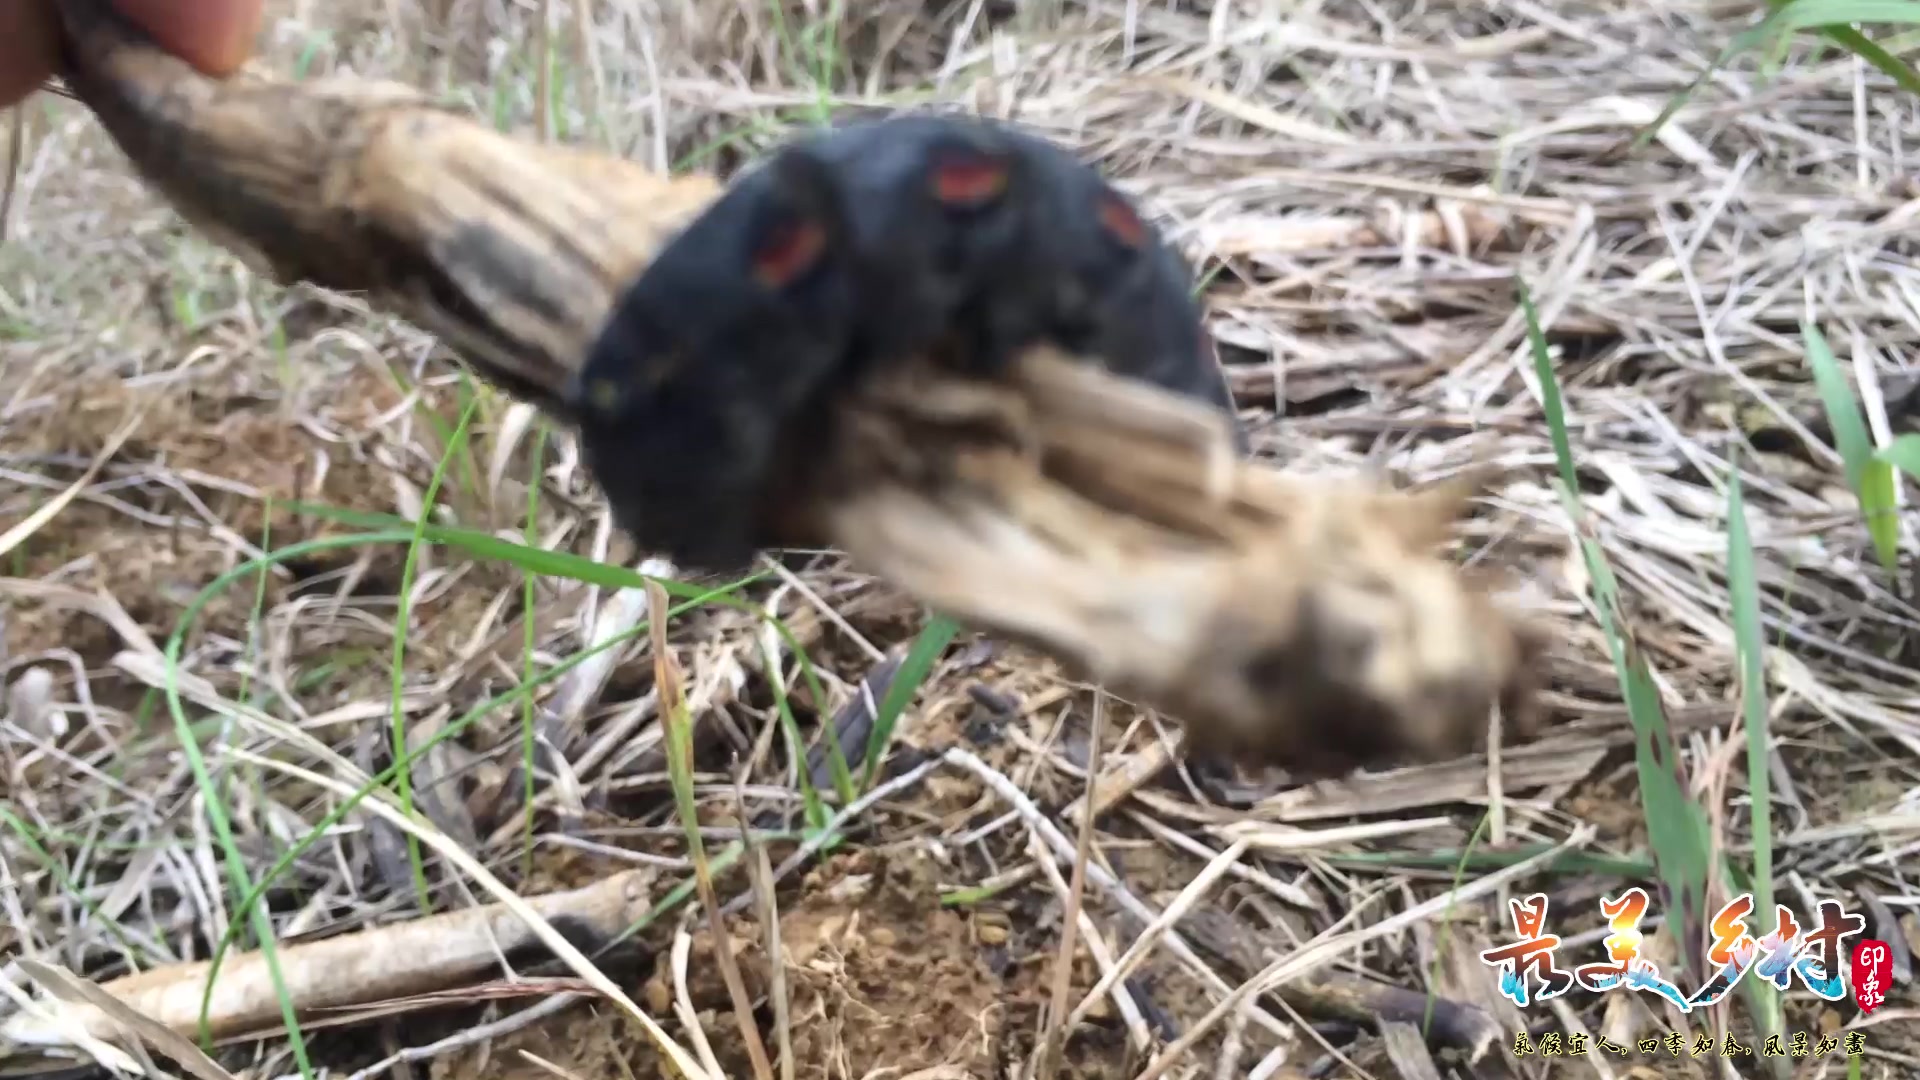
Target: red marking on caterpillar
{"type": "Point", "coordinates": [969, 181]}
{"type": "Point", "coordinates": [1121, 222]}
{"type": "Point", "coordinates": [789, 252]}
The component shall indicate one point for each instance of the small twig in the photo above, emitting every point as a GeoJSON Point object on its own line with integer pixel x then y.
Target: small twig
{"type": "Point", "coordinates": [1059, 1026]}
{"type": "Point", "coordinates": [793, 580]}
{"type": "Point", "coordinates": [1270, 1065]}
{"type": "Point", "coordinates": [473, 1036]}
{"type": "Point", "coordinates": [547, 1066]}
{"type": "Point", "coordinates": [1233, 1051]}
{"type": "Point", "coordinates": [543, 43]}
{"type": "Point", "coordinates": [683, 1001]}
{"type": "Point", "coordinates": [1105, 792]}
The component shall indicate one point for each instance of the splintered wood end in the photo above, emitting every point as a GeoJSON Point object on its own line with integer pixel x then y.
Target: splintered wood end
{"type": "Point", "coordinates": [1307, 622]}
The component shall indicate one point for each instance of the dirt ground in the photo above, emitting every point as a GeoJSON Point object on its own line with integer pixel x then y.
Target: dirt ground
{"type": "Point", "coordinates": [1359, 185]}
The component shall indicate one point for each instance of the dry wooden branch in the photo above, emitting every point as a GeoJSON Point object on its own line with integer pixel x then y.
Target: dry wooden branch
{"type": "Point", "coordinates": [358, 969]}
{"type": "Point", "coordinates": [1302, 621]}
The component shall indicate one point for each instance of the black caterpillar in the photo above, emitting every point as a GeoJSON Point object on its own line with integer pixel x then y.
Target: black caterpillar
{"type": "Point", "coordinates": [844, 250]}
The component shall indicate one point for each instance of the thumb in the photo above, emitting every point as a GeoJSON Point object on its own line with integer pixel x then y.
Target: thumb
{"type": "Point", "coordinates": [216, 36]}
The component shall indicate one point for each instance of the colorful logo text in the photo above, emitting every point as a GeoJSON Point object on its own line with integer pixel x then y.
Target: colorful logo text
{"type": "Point", "coordinates": [1786, 950]}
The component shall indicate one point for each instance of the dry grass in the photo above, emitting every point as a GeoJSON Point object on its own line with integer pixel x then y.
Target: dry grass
{"type": "Point", "coordinates": [1361, 185]}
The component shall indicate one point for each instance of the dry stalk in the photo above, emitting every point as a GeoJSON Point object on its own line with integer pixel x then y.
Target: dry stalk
{"type": "Point", "coordinates": [1139, 1036]}
{"type": "Point", "coordinates": [543, 96]}
{"type": "Point", "coordinates": [683, 1006]}
{"type": "Point", "coordinates": [764, 891]}
{"type": "Point", "coordinates": [16, 145]}
{"type": "Point", "coordinates": [1059, 1025]}
{"type": "Point", "coordinates": [678, 722]}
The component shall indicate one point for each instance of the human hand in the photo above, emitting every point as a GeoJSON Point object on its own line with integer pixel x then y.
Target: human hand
{"type": "Point", "coordinates": [215, 36]}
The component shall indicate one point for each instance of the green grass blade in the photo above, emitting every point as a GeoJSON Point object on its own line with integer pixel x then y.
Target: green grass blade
{"type": "Point", "coordinates": [676, 718]}
{"type": "Point", "coordinates": [1877, 492]}
{"type": "Point", "coordinates": [1676, 826]}
{"type": "Point", "coordinates": [1843, 409]}
{"type": "Point", "coordinates": [530, 532]}
{"type": "Point", "coordinates": [537, 560]}
{"type": "Point", "coordinates": [1867, 49]}
{"type": "Point", "coordinates": [1903, 453]}
{"type": "Point", "coordinates": [1679, 100]}
{"type": "Point", "coordinates": [811, 805]}
{"type": "Point", "coordinates": [456, 445]}
{"type": "Point", "coordinates": [1813, 14]}
{"type": "Point", "coordinates": [837, 765]}
{"type": "Point", "coordinates": [1743, 583]}
{"type": "Point", "coordinates": [214, 800]}
{"type": "Point", "coordinates": [1869, 475]}
{"type": "Point", "coordinates": [1550, 400]}
{"type": "Point", "coordinates": [927, 647]}
{"type": "Point", "coordinates": [1750, 646]}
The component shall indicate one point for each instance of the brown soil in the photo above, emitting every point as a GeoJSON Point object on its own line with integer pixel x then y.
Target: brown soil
{"type": "Point", "coordinates": [880, 976]}
{"type": "Point", "coordinates": [215, 469]}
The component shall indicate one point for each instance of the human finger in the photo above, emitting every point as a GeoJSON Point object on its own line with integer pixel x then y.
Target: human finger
{"type": "Point", "coordinates": [27, 48]}
{"type": "Point", "coordinates": [216, 36]}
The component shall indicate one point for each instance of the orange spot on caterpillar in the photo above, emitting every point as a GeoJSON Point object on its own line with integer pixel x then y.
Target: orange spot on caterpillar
{"type": "Point", "coordinates": [969, 182]}
{"type": "Point", "coordinates": [789, 252]}
{"type": "Point", "coordinates": [1121, 222]}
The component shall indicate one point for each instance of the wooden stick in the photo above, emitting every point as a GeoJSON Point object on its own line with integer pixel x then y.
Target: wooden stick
{"type": "Point", "coordinates": [1304, 621]}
